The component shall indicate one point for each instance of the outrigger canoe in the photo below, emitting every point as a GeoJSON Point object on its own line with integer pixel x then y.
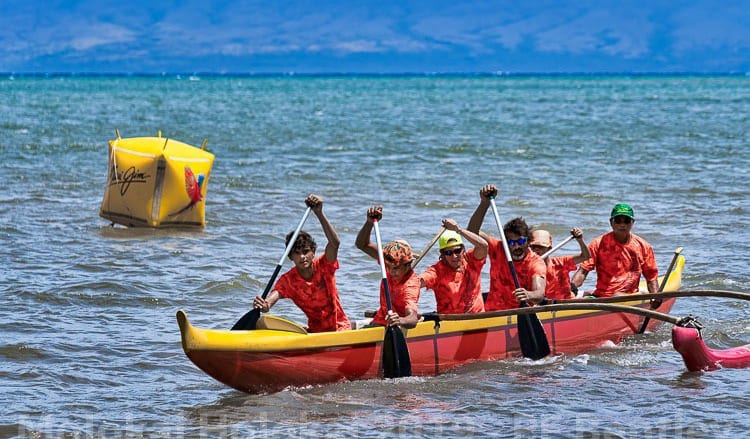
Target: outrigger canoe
{"type": "Point", "coordinates": [280, 354]}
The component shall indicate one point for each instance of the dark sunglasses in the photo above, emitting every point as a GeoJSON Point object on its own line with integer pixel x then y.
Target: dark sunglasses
{"type": "Point", "coordinates": [622, 220]}
{"type": "Point", "coordinates": [455, 251]}
{"type": "Point", "coordinates": [519, 241]}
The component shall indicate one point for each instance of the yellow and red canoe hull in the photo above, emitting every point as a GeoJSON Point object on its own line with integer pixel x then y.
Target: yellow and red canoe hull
{"type": "Point", "coordinates": [269, 360]}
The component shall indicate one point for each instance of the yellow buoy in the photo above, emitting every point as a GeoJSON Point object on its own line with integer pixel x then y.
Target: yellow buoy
{"type": "Point", "coordinates": [156, 182]}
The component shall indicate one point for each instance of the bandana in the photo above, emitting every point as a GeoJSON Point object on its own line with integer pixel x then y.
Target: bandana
{"type": "Point", "coordinates": [397, 252]}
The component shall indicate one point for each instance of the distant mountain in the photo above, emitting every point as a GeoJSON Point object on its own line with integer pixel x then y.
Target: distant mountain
{"type": "Point", "coordinates": [374, 36]}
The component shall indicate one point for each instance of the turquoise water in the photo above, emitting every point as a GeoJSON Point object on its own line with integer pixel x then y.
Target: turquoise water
{"type": "Point", "coordinates": [88, 340]}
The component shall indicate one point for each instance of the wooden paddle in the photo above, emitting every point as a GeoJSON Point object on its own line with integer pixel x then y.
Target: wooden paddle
{"type": "Point", "coordinates": [250, 320]}
{"type": "Point", "coordinates": [558, 246]}
{"type": "Point", "coordinates": [369, 313]}
{"type": "Point", "coordinates": [531, 334]}
{"type": "Point", "coordinates": [427, 248]}
{"type": "Point", "coordinates": [396, 360]}
{"type": "Point", "coordinates": [657, 302]}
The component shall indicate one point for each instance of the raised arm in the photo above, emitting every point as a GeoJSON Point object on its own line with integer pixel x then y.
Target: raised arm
{"type": "Point", "coordinates": [477, 218]}
{"type": "Point", "coordinates": [363, 237]}
{"type": "Point", "coordinates": [332, 247]}
{"type": "Point", "coordinates": [585, 254]}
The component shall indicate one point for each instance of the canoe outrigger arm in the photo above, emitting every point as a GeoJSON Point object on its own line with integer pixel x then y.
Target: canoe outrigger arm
{"type": "Point", "coordinates": [686, 322]}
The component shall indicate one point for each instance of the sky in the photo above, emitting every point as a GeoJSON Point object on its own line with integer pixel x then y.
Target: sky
{"type": "Point", "coordinates": [363, 36]}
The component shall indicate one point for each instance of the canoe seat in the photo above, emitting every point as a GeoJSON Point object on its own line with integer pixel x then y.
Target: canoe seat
{"type": "Point", "coordinates": [274, 323]}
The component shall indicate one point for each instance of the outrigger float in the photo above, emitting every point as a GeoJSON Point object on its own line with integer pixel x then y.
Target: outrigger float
{"type": "Point", "coordinates": [280, 354]}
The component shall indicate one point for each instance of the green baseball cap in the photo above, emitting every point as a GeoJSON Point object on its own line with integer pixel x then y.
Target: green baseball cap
{"type": "Point", "coordinates": [622, 209]}
{"type": "Point", "coordinates": [449, 238]}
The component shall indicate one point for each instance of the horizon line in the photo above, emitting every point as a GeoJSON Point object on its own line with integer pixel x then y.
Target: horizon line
{"type": "Point", "coordinates": [199, 74]}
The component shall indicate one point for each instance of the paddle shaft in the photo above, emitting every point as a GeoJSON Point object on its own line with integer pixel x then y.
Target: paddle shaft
{"type": "Point", "coordinates": [427, 248]}
{"type": "Point", "coordinates": [286, 252]}
{"type": "Point", "coordinates": [396, 359]}
{"type": "Point", "coordinates": [669, 270]}
{"type": "Point", "coordinates": [558, 246]}
{"type": "Point", "coordinates": [531, 334]}
{"type": "Point", "coordinates": [384, 276]}
{"type": "Point", "coordinates": [250, 319]}
{"type": "Point", "coordinates": [506, 249]}
{"type": "Point", "coordinates": [655, 303]}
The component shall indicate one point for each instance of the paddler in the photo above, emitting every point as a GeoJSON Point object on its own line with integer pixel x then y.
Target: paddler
{"type": "Point", "coordinates": [619, 258]}
{"type": "Point", "coordinates": [403, 282]}
{"type": "Point", "coordinates": [311, 283]}
{"type": "Point", "coordinates": [456, 277]}
{"type": "Point", "coordinates": [530, 268]}
{"type": "Point", "coordinates": [559, 267]}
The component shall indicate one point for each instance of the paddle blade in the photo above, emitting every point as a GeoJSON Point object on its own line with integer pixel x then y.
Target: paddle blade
{"type": "Point", "coordinates": [396, 360]}
{"type": "Point", "coordinates": [531, 335]}
{"type": "Point", "coordinates": [248, 322]}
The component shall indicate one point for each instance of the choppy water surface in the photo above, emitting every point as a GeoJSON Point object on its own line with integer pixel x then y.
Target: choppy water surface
{"type": "Point", "coordinates": [89, 346]}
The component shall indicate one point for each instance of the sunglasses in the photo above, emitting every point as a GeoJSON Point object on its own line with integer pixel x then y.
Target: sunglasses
{"type": "Point", "coordinates": [519, 241]}
{"type": "Point", "coordinates": [455, 251]}
{"type": "Point", "coordinates": [622, 220]}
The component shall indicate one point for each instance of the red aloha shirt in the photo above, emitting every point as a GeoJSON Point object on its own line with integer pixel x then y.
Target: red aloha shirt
{"type": "Point", "coordinates": [404, 295]}
{"type": "Point", "coordinates": [619, 266]}
{"type": "Point", "coordinates": [558, 277]}
{"type": "Point", "coordinates": [501, 280]}
{"type": "Point", "coordinates": [456, 292]}
{"type": "Point", "coordinates": [318, 298]}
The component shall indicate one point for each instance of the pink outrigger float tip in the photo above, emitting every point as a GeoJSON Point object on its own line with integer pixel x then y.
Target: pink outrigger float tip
{"type": "Point", "coordinates": [699, 357]}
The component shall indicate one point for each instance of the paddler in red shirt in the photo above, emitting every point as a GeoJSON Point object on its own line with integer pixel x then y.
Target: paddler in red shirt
{"type": "Point", "coordinates": [456, 277]}
{"type": "Point", "coordinates": [559, 267]}
{"type": "Point", "coordinates": [530, 268]}
{"type": "Point", "coordinates": [403, 282]}
{"type": "Point", "coordinates": [311, 284]}
{"type": "Point", "coordinates": [619, 258]}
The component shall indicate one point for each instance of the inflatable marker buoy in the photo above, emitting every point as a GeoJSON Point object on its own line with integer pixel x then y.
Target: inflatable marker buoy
{"type": "Point", "coordinates": [156, 182]}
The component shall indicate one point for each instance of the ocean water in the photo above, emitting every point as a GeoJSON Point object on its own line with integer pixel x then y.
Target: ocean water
{"type": "Point", "coordinates": [89, 345]}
